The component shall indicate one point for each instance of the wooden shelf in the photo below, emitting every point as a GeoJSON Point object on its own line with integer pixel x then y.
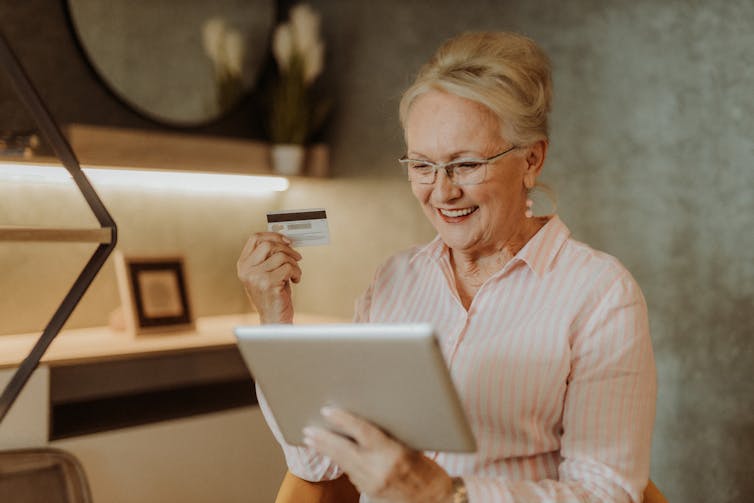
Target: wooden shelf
{"type": "Point", "coordinates": [108, 147]}
{"type": "Point", "coordinates": [105, 344]}
{"type": "Point", "coordinates": [99, 235]}
{"type": "Point", "coordinates": [119, 147]}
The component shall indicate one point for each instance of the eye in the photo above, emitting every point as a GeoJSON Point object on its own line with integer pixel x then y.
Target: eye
{"type": "Point", "coordinates": [421, 167]}
{"type": "Point", "coordinates": [465, 166]}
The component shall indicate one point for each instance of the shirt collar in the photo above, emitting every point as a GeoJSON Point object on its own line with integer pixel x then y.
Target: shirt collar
{"type": "Point", "coordinates": [538, 253]}
{"type": "Point", "coordinates": [541, 250]}
{"type": "Point", "coordinates": [435, 249]}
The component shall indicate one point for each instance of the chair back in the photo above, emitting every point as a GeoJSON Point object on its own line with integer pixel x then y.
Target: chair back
{"type": "Point", "coordinates": [296, 490]}
{"type": "Point", "coordinates": [653, 495]}
{"type": "Point", "coordinates": [44, 475]}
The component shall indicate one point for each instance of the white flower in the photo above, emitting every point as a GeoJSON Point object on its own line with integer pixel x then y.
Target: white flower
{"type": "Point", "coordinates": [305, 23]}
{"type": "Point", "coordinates": [213, 33]}
{"type": "Point", "coordinates": [295, 113]}
{"type": "Point", "coordinates": [234, 51]}
{"type": "Point", "coordinates": [314, 61]}
{"type": "Point", "coordinates": [301, 37]}
{"type": "Point", "coordinates": [282, 45]}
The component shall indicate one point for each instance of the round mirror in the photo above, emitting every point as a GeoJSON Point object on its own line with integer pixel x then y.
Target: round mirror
{"type": "Point", "coordinates": [180, 63]}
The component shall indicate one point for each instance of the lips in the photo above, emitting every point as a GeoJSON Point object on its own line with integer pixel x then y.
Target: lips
{"type": "Point", "coordinates": [457, 212]}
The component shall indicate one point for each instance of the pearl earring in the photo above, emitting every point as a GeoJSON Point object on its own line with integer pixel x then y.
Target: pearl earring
{"type": "Point", "coordinates": [529, 204]}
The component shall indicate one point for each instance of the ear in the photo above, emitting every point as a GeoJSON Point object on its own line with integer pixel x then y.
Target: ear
{"type": "Point", "coordinates": [535, 159]}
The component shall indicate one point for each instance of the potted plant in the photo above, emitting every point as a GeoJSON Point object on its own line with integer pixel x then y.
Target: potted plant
{"type": "Point", "coordinates": [295, 113]}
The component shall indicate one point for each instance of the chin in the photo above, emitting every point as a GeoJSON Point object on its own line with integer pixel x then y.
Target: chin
{"type": "Point", "coordinates": [456, 242]}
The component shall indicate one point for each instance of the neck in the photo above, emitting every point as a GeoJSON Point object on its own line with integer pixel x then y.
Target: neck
{"type": "Point", "coordinates": [473, 267]}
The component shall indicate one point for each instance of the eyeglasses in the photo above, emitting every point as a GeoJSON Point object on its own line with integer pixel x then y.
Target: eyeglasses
{"type": "Point", "coordinates": [466, 171]}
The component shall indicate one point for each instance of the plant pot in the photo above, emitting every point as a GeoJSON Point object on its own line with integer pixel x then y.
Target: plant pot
{"type": "Point", "coordinates": [288, 159]}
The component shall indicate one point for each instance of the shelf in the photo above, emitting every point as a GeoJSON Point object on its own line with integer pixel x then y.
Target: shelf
{"type": "Point", "coordinates": [18, 234]}
{"type": "Point", "coordinates": [109, 147]}
{"type": "Point", "coordinates": [51, 132]}
{"type": "Point", "coordinates": [119, 147]}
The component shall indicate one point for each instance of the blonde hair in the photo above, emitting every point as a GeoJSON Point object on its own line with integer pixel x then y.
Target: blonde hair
{"type": "Point", "coordinates": [506, 72]}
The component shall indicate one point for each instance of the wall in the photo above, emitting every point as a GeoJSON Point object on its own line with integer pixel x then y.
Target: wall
{"type": "Point", "coordinates": [651, 156]}
{"type": "Point", "coordinates": [70, 85]}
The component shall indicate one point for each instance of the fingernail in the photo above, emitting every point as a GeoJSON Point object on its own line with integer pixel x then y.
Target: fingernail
{"type": "Point", "coordinates": [327, 410]}
{"type": "Point", "coordinates": [286, 240]}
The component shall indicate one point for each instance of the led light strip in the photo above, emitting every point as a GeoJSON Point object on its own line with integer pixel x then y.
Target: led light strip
{"type": "Point", "coordinates": [181, 181]}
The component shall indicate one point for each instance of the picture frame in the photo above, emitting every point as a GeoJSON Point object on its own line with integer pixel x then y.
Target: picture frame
{"type": "Point", "coordinates": [154, 293]}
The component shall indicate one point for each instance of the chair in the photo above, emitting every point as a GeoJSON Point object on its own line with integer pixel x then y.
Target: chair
{"type": "Point", "coordinates": [653, 495]}
{"type": "Point", "coordinates": [44, 475]}
{"type": "Point", "coordinates": [296, 490]}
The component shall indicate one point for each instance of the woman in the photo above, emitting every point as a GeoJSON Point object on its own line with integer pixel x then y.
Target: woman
{"type": "Point", "coordinates": [547, 340]}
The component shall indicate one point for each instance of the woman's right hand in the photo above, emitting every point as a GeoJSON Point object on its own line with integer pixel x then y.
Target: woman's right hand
{"type": "Point", "coordinates": [266, 267]}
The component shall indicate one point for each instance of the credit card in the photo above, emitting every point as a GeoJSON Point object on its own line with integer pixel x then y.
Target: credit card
{"type": "Point", "coordinates": [304, 227]}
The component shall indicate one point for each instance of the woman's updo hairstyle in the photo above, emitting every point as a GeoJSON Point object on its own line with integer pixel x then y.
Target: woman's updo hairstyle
{"type": "Point", "coordinates": [506, 72]}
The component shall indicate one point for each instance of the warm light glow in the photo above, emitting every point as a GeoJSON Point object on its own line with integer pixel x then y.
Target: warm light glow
{"type": "Point", "coordinates": [179, 181]}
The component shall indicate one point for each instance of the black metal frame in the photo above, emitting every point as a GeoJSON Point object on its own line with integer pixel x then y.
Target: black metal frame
{"type": "Point", "coordinates": [54, 137]}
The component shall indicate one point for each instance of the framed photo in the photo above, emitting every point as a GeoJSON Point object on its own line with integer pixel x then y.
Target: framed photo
{"type": "Point", "coordinates": [154, 293]}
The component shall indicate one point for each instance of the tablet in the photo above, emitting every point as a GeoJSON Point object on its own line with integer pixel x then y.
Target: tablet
{"type": "Point", "coordinates": [393, 375]}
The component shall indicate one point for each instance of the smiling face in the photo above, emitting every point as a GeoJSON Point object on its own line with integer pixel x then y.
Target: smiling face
{"type": "Point", "coordinates": [474, 219]}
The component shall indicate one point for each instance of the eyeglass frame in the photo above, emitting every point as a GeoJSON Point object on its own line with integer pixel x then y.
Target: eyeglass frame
{"type": "Point", "coordinates": [451, 166]}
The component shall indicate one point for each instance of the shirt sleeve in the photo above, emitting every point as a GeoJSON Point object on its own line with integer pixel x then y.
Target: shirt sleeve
{"type": "Point", "coordinates": [302, 461]}
{"type": "Point", "coordinates": [608, 413]}
{"type": "Point", "coordinates": [363, 306]}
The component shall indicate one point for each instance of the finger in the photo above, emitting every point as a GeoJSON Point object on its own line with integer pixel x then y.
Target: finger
{"type": "Point", "coordinates": [246, 266]}
{"type": "Point", "coordinates": [276, 260]}
{"type": "Point", "coordinates": [364, 432]}
{"type": "Point", "coordinates": [272, 281]}
{"type": "Point", "coordinates": [286, 272]}
{"type": "Point", "coordinates": [336, 447]}
{"type": "Point", "coordinates": [259, 281]}
{"type": "Point", "coordinates": [267, 248]}
{"type": "Point", "coordinates": [260, 237]}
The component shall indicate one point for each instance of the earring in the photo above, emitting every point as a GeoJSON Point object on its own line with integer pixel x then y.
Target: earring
{"type": "Point", "coordinates": [548, 192]}
{"type": "Point", "coordinates": [529, 204]}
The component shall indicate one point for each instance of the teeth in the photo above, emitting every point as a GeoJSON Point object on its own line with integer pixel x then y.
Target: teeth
{"type": "Point", "coordinates": [457, 213]}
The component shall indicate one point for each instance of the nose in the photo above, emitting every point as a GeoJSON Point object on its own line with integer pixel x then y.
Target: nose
{"type": "Point", "coordinates": [444, 189]}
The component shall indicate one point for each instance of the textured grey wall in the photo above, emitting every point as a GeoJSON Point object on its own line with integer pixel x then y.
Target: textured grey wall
{"type": "Point", "coordinates": [651, 155]}
{"type": "Point", "coordinates": [653, 159]}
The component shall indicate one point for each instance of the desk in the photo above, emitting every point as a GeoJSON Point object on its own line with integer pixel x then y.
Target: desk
{"type": "Point", "coordinates": [99, 379]}
{"type": "Point", "coordinates": [187, 455]}
{"type": "Point", "coordinates": [97, 344]}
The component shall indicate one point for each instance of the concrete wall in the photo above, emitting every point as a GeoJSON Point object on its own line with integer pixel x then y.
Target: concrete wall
{"type": "Point", "coordinates": [651, 156]}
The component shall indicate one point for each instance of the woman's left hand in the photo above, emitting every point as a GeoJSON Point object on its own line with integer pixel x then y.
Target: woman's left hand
{"type": "Point", "coordinates": [380, 467]}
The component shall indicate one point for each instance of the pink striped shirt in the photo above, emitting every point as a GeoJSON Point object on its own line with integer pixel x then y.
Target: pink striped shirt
{"type": "Point", "coordinates": [553, 362]}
